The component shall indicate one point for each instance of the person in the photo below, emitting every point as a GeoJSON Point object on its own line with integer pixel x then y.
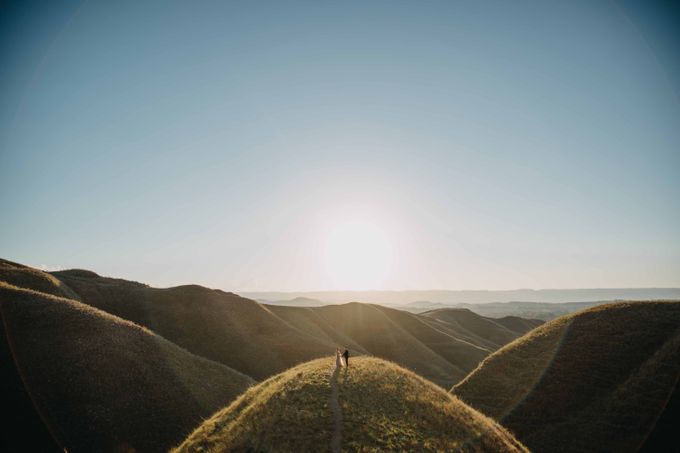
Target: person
{"type": "Point", "coordinates": [338, 359]}
{"type": "Point", "coordinates": [346, 356]}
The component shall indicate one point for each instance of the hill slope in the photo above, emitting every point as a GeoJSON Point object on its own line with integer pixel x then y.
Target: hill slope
{"type": "Point", "coordinates": [597, 380]}
{"type": "Point", "coordinates": [374, 405]}
{"type": "Point", "coordinates": [443, 346]}
{"type": "Point", "coordinates": [27, 277]}
{"type": "Point", "coordinates": [99, 383]}
{"type": "Point", "coordinates": [261, 340]}
{"type": "Point", "coordinates": [489, 332]}
{"type": "Point", "coordinates": [544, 311]}
{"type": "Point", "coordinates": [220, 326]}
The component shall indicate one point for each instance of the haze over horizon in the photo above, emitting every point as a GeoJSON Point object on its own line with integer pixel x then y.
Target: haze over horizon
{"type": "Point", "coordinates": [429, 298]}
{"type": "Point", "coordinates": [306, 147]}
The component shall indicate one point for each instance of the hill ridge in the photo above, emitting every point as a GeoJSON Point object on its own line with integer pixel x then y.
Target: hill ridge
{"type": "Point", "coordinates": [596, 379]}
{"type": "Point", "coordinates": [91, 381]}
{"type": "Point", "coordinates": [232, 330]}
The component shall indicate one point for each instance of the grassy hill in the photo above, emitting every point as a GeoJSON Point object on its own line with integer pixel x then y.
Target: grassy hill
{"type": "Point", "coordinates": [220, 326]}
{"type": "Point", "coordinates": [261, 340]}
{"type": "Point", "coordinates": [489, 332]}
{"type": "Point", "coordinates": [603, 379]}
{"type": "Point", "coordinates": [78, 378]}
{"type": "Point", "coordinates": [28, 277]}
{"type": "Point", "coordinates": [433, 345]}
{"type": "Point", "coordinates": [376, 333]}
{"type": "Point", "coordinates": [374, 406]}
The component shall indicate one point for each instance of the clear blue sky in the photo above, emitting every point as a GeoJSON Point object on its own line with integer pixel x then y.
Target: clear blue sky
{"type": "Point", "coordinates": [266, 146]}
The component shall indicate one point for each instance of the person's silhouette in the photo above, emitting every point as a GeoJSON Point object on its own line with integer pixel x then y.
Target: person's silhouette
{"type": "Point", "coordinates": [346, 356]}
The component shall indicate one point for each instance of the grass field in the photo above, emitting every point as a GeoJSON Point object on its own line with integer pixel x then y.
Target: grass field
{"type": "Point", "coordinates": [383, 407]}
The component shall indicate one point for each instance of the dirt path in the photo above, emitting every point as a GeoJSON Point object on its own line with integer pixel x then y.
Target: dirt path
{"type": "Point", "coordinates": [336, 440]}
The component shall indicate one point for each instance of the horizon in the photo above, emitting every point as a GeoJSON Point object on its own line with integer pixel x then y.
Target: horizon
{"type": "Point", "coordinates": [450, 297]}
{"type": "Point", "coordinates": [470, 297]}
{"type": "Point", "coordinates": [344, 147]}
{"type": "Point", "coordinates": [46, 268]}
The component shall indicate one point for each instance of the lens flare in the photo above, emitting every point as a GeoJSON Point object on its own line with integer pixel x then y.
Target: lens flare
{"type": "Point", "coordinates": [358, 255]}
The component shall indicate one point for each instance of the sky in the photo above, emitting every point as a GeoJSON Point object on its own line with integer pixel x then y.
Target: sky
{"type": "Point", "coordinates": [294, 146]}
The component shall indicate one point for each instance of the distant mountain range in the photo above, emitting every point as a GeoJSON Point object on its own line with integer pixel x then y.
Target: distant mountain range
{"type": "Point", "coordinates": [295, 302]}
{"type": "Point", "coordinates": [546, 310]}
{"type": "Point", "coordinates": [450, 297]}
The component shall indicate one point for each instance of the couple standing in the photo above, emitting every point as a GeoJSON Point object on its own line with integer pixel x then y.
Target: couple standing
{"type": "Point", "coordinates": [341, 359]}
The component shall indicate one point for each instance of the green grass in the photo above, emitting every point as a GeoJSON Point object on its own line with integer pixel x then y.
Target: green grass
{"type": "Point", "coordinates": [384, 407]}
{"type": "Point", "coordinates": [596, 380]}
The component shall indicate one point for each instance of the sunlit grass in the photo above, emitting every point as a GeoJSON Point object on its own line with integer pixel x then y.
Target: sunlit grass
{"type": "Point", "coordinates": [384, 407]}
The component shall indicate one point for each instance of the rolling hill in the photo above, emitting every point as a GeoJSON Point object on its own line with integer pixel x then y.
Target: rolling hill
{"type": "Point", "coordinates": [92, 363]}
{"type": "Point", "coordinates": [27, 277]}
{"type": "Point", "coordinates": [262, 340]}
{"type": "Point", "coordinates": [78, 378]}
{"type": "Point", "coordinates": [220, 326]}
{"type": "Point", "coordinates": [488, 332]}
{"type": "Point", "coordinates": [603, 379]}
{"type": "Point", "coordinates": [295, 302]}
{"type": "Point", "coordinates": [372, 406]}
{"type": "Point", "coordinates": [544, 311]}
{"type": "Point", "coordinates": [438, 349]}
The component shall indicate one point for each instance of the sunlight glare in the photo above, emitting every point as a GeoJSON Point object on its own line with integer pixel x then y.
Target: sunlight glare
{"type": "Point", "coordinates": [358, 256]}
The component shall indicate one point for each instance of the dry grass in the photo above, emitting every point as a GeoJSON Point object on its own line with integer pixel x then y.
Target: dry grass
{"type": "Point", "coordinates": [438, 349]}
{"type": "Point", "coordinates": [384, 407]}
{"type": "Point", "coordinates": [102, 383]}
{"type": "Point", "coordinates": [220, 326]}
{"type": "Point", "coordinates": [261, 340]}
{"type": "Point", "coordinates": [28, 277]}
{"type": "Point", "coordinates": [596, 380]}
{"type": "Point", "coordinates": [487, 332]}
{"type": "Point", "coordinates": [120, 385]}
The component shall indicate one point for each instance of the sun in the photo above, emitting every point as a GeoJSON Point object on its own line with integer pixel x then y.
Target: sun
{"type": "Point", "coordinates": [358, 255]}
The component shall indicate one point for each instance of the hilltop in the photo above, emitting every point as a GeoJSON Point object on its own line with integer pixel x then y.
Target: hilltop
{"type": "Point", "coordinates": [603, 379]}
{"type": "Point", "coordinates": [374, 405]}
{"type": "Point", "coordinates": [78, 378]}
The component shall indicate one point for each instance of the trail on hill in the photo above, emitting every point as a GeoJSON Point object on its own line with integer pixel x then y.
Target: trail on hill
{"type": "Point", "coordinates": [336, 439]}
